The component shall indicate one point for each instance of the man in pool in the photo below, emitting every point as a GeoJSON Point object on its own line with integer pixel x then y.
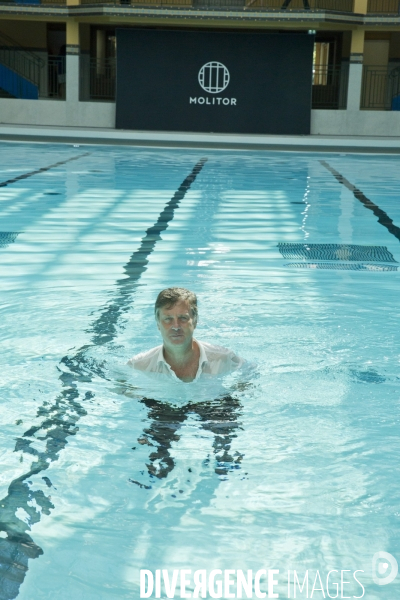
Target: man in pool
{"type": "Point", "coordinates": [181, 356]}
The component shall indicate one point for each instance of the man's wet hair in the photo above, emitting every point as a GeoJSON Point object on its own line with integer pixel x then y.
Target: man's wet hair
{"type": "Point", "coordinates": [170, 296]}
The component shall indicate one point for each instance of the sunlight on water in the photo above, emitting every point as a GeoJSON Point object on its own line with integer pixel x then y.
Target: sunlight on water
{"type": "Point", "coordinates": [288, 464]}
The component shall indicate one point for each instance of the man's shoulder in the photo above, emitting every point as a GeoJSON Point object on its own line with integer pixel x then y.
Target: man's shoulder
{"type": "Point", "coordinates": [213, 350]}
{"type": "Point", "coordinates": [219, 360]}
{"type": "Point", "coordinates": [144, 360]}
{"type": "Point", "coordinates": [217, 353]}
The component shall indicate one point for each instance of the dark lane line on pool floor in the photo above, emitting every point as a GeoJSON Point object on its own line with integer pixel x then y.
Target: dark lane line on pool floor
{"type": "Point", "coordinates": [383, 218]}
{"type": "Point", "coordinates": [104, 327]}
{"type": "Point", "coordinates": [42, 170]}
{"type": "Point", "coordinates": [61, 417]}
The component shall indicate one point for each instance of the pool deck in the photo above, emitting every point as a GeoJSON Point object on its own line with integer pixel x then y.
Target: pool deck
{"type": "Point", "coordinates": [307, 143]}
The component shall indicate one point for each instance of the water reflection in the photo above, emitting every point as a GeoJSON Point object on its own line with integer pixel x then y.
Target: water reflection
{"type": "Point", "coordinates": [218, 416]}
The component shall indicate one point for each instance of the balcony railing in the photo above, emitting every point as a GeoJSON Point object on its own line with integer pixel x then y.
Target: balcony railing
{"type": "Point", "coordinates": [339, 6]}
{"type": "Point", "coordinates": [56, 78]}
{"type": "Point", "coordinates": [383, 6]}
{"type": "Point", "coordinates": [315, 5]}
{"type": "Point", "coordinates": [36, 2]}
{"type": "Point", "coordinates": [97, 78]}
{"type": "Point", "coordinates": [336, 5]}
{"type": "Point", "coordinates": [347, 6]}
{"type": "Point", "coordinates": [330, 84]}
{"type": "Point", "coordinates": [380, 88]}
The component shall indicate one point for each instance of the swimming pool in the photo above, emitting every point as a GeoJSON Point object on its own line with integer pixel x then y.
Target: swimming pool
{"type": "Point", "coordinates": [291, 465]}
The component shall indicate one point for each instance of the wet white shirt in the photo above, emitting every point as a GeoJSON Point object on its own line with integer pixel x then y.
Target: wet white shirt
{"type": "Point", "coordinates": [213, 361]}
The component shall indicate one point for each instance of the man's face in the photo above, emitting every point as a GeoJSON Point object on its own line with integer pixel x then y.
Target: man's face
{"type": "Point", "coordinates": [176, 324]}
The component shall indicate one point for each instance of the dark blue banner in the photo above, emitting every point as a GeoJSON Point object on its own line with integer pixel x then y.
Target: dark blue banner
{"type": "Point", "coordinates": [220, 82]}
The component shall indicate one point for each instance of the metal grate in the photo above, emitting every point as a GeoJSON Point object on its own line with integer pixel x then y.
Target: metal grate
{"type": "Point", "coordinates": [7, 238]}
{"type": "Point", "coordinates": [336, 252]}
{"type": "Point", "coordinates": [342, 266]}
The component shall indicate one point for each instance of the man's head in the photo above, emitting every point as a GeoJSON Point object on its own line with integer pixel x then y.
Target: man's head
{"type": "Point", "coordinates": [176, 315]}
{"type": "Point", "coordinates": [170, 296]}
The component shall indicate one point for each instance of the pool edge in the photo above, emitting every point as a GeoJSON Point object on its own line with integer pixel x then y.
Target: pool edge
{"type": "Point", "coordinates": [90, 136]}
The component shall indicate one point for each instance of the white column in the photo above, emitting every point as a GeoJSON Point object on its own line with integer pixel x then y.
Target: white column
{"type": "Point", "coordinates": [72, 68]}
{"type": "Point", "coordinates": [72, 83]}
{"type": "Point", "coordinates": [355, 82]}
{"type": "Point", "coordinates": [356, 63]}
{"type": "Point", "coordinates": [72, 80]}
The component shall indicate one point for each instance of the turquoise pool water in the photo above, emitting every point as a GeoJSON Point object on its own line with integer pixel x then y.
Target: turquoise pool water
{"type": "Point", "coordinates": [291, 464]}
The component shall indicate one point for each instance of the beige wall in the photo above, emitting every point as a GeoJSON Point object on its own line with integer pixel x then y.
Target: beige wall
{"type": "Point", "coordinates": [392, 37]}
{"type": "Point", "coordinates": [30, 34]}
{"type": "Point", "coordinates": [376, 52]}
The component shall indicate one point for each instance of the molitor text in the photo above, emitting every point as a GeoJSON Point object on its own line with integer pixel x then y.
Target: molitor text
{"type": "Point", "coordinates": [221, 101]}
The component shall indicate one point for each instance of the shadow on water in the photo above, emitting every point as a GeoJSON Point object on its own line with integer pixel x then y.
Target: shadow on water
{"type": "Point", "coordinates": [60, 418]}
{"type": "Point", "coordinates": [220, 417]}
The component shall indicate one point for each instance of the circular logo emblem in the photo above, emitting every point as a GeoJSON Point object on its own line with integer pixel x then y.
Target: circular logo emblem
{"type": "Point", "coordinates": [214, 77]}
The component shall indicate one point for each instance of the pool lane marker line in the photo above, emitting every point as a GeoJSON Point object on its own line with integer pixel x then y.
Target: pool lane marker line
{"type": "Point", "coordinates": [7, 238]}
{"type": "Point", "coordinates": [383, 218]}
{"type": "Point", "coordinates": [42, 170]}
{"type": "Point", "coordinates": [104, 328]}
{"type": "Point", "coordinates": [59, 419]}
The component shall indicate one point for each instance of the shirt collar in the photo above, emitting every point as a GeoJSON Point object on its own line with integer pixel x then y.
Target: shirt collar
{"type": "Point", "coordinates": [202, 358]}
{"type": "Point", "coordinates": [160, 355]}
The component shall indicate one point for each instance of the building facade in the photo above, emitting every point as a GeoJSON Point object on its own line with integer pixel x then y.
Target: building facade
{"type": "Point", "coordinates": [58, 57]}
